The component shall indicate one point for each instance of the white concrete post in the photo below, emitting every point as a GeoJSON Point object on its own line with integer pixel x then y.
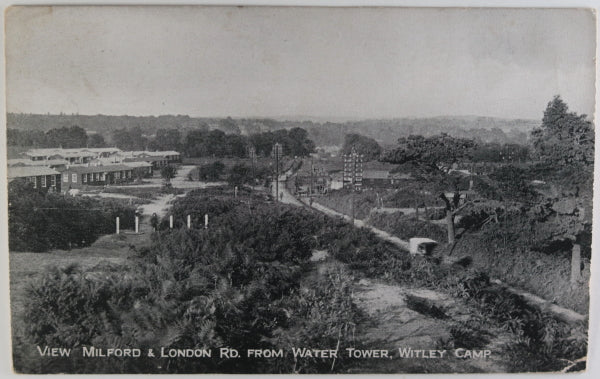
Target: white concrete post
{"type": "Point", "coordinates": [205, 221]}
{"type": "Point", "coordinates": [117, 221]}
{"type": "Point", "coordinates": [137, 224]}
{"type": "Point", "coordinates": [171, 221]}
{"type": "Point", "coordinates": [235, 192]}
{"type": "Point", "coordinates": [189, 221]}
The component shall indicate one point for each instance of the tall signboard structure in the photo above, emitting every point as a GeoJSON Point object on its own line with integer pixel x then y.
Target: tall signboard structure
{"type": "Point", "coordinates": [277, 154]}
{"type": "Point", "coordinates": [353, 174]}
{"type": "Point", "coordinates": [353, 170]}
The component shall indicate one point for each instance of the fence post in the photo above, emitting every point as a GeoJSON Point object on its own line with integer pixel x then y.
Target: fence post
{"type": "Point", "coordinates": [206, 221]}
{"type": "Point", "coordinates": [117, 222]}
{"type": "Point", "coordinates": [137, 224]}
{"type": "Point", "coordinates": [189, 221]}
{"type": "Point", "coordinates": [235, 192]}
{"type": "Point", "coordinates": [171, 221]}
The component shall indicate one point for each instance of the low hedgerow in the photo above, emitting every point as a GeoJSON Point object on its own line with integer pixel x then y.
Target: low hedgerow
{"type": "Point", "coordinates": [41, 221]}
{"type": "Point", "coordinates": [546, 275]}
{"type": "Point", "coordinates": [341, 201]}
{"type": "Point", "coordinates": [406, 226]}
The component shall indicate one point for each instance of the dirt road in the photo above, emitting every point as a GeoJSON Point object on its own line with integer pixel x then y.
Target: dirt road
{"type": "Point", "coordinates": [400, 243]}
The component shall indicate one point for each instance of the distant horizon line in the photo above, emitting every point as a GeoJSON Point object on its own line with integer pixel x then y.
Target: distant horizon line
{"type": "Point", "coordinates": [297, 118]}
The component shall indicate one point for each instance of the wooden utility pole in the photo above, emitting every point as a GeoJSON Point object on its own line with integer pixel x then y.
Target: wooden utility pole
{"type": "Point", "coordinates": [312, 171]}
{"type": "Point", "coordinates": [352, 200]}
{"type": "Point", "coordinates": [252, 155]}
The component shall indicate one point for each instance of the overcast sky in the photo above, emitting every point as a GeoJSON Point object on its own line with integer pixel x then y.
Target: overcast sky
{"type": "Point", "coordinates": [321, 62]}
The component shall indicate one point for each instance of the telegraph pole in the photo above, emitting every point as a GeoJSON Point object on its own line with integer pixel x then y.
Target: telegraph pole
{"type": "Point", "coordinates": [252, 155]}
{"type": "Point", "coordinates": [352, 200]}
{"type": "Point", "coordinates": [312, 171]}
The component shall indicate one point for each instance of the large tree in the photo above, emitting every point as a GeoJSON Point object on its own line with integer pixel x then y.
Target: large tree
{"type": "Point", "coordinates": [167, 173]}
{"type": "Point", "coordinates": [71, 137]}
{"type": "Point", "coordinates": [129, 139]}
{"type": "Point", "coordinates": [96, 140]}
{"type": "Point", "coordinates": [436, 155]}
{"type": "Point", "coordinates": [565, 145]}
{"type": "Point", "coordinates": [366, 146]}
{"type": "Point", "coordinates": [166, 139]}
{"type": "Point", "coordinates": [565, 137]}
{"type": "Point", "coordinates": [299, 143]}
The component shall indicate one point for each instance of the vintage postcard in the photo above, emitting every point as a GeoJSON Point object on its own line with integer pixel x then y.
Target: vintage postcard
{"type": "Point", "coordinates": [299, 190]}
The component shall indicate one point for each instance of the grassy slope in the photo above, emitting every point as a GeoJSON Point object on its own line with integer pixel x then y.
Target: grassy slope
{"type": "Point", "coordinates": [544, 275]}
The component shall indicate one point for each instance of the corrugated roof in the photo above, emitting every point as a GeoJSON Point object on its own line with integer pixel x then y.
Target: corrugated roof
{"type": "Point", "coordinates": [162, 153]}
{"type": "Point", "coordinates": [28, 171]}
{"type": "Point", "coordinates": [29, 162]}
{"type": "Point", "coordinates": [144, 159]}
{"type": "Point", "coordinates": [71, 152]}
{"type": "Point", "coordinates": [138, 164]}
{"type": "Point", "coordinates": [90, 169]}
{"type": "Point", "coordinates": [104, 149]}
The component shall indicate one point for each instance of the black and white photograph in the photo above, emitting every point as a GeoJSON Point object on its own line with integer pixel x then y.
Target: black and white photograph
{"type": "Point", "coordinates": [299, 190]}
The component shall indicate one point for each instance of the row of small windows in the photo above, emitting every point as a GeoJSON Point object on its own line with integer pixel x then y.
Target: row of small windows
{"type": "Point", "coordinates": [44, 181]}
{"type": "Point", "coordinates": [96, 176]}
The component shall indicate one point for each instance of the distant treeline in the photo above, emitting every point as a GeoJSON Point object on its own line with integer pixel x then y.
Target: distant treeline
{"type": "Point", "coordinates": [483, 129]}
{"type": "Point", "coordinates": [66, 137]}
{"type": "Point", "coordinates": [200, 142]}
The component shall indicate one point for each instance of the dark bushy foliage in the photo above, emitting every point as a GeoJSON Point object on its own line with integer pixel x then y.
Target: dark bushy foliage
{"type": "Point", "coordinates": [41, 221]}
{"type": "Point", "coordinates": [211, 171]}
{"type": "Point", "coordinates": [236, 284]}
{"type": "Point", "coordinates": [406, 227]}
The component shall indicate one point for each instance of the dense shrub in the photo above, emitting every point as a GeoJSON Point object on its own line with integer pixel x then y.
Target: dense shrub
{"type": "Point", "coordinates": [41, 221]}
{"type": "Point", "coordinates": [407, 198]}
{"type": "Point", "coordinates": [406, 226]}
{"type": "Point", "coordinates": [211, 171]}
{"type": "Point", "coordinates": [340, 201]}
{"type": "Point", "coordinates": [236, 284]}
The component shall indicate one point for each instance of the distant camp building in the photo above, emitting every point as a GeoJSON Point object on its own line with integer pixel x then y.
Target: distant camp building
{"type": "Point", "coordinates": [78, 177]}
{"type": "Point", "coordinates": [157, 158]}
{"type": "Point", "coordinates": [43, 178]}
{"type": "Point", "coordinates": [72, 156]}
{"type": "Point", "coordinates": [316, 183]}
{"type": "Point", "coordinates": [52, 163]}
{"type": "Point", "coordinates": [83, 167]}
{"type": "Point", "coordinates": [376, 178]}
{"type": "Point", "coordinates": [140, 169]}
{"type": "Point", "coordinates": [383, 178]}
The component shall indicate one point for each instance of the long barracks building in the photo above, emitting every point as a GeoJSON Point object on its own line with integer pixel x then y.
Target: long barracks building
{"type": "Point", "coordinates": [65, 169]}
